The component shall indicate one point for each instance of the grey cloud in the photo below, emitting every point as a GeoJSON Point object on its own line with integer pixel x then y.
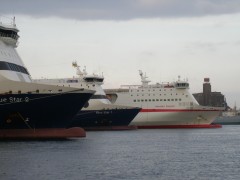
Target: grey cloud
{"type": "Point", "coordinates": [118, 9]}
{"type": "Point", "coordinates": [205, 46]}
{"type": "Point", "coordinates": [147, 53]}
{"type": "Point", "coordinates": [237, 43]}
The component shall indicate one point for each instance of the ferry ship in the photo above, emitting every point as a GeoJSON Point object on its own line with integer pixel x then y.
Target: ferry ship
{"type": "Point", "coordinates": [28, 109]}
{"type": "Point", "coordinates": [164, 105]}
{"type": "Point", "coordinates": [98, 113]}
{"type": "Point", "coordinates": [229, 117]}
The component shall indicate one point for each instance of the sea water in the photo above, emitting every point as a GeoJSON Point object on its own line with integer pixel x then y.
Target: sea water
{"type": "Point", "coordinates": [134, 154]}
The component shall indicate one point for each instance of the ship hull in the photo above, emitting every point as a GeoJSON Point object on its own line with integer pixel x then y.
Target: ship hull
{"type": "Point", "coordinates": [40, 111]}
{"type": "Point", "coordinates": [52, 133]}
{"type": "Point", "coordinates": [105, 119]}
{"type": "Point", "coordinates": [234, 120]}
{"type": "Point", "coordinates": [174, 117]}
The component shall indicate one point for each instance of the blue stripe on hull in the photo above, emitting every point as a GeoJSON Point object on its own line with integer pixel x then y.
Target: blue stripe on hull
{"type": "Point", "coordinates": [99, 118]}
{"type": "Point", "coordinates": [40, 110]}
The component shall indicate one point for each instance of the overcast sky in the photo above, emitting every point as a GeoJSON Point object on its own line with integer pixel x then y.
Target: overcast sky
{"type": "Point", "coordinates": [164, 38]}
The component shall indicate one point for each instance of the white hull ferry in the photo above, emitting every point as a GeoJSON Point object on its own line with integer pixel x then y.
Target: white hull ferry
{"type": "Point", "coordinates": [98, 113]}
{"type": "Point", "coordinates": [165, 105]}
{"type": "Point", "coordinates": [31, 110]}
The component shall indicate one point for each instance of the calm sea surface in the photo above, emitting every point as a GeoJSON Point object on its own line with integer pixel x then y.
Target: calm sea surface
{"type": "Point", "coordinates": [135, 154]}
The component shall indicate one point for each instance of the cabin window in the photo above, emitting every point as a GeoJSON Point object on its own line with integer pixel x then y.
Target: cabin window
{"type": "Point", "coordinates": [72, 81]}
{"type": "Point", "coordinates": [12, 67]}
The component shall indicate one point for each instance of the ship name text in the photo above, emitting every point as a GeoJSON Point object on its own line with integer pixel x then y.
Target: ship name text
{"type": "Point", "coordinates": [14, 100]}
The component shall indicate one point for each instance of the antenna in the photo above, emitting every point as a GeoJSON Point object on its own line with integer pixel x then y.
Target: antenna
{"type": "Point", "coordinates": [85, 71]}
{"type": "Point", "coordinates": [179, 77]}
{"type": "Point", "coordinates": [144, 78]}
{"type": "Point", "coordinates": [78, 71]}
{"type": "Point", "coordinates": [14, 24]}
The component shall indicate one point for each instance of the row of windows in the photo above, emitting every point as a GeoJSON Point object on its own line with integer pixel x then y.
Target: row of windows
{"type": "Point", "coordinates": [159, 94]}
{"type": "Point", "coordinates": [182, 85]}
{"type": "Point", "coordinates": [162, 89]}
{"type": "Point", "coordinates": [153, 100]}
{"type": "Point", "coordinates": [12, 67]}
{"type": "Point", "coordinates": [7, 33]}
{"type": "Point", "coordinates": [89, 79]}
{"type": "Point", "coordinates": [30, 92]}
{"type": "Point", "coordinates": [85, 85]}
{"type": "Point", "coordinates": [72, 81]}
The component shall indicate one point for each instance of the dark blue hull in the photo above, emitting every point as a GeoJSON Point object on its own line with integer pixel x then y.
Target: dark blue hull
{"type": "Point", "coordinates": [35, 111]}
{"type": "Point", "coordinates": [103, 118]}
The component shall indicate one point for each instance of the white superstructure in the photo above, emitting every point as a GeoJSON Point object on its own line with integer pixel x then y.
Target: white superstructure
{"type": "Point", "coordinates": [14, 76]}
{"type": "Point", "coordinates": [163, 103]}
{"type": "Point", "coordinates": [98, 101]}
{"type": "Point", "coordinates": [11, 65]}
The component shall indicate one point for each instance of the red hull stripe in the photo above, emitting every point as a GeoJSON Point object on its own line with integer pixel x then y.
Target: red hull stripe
{"type": "Point", "coordinates": [177, 110]}
{"type": "Point", "coordinates": [181, 126]}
